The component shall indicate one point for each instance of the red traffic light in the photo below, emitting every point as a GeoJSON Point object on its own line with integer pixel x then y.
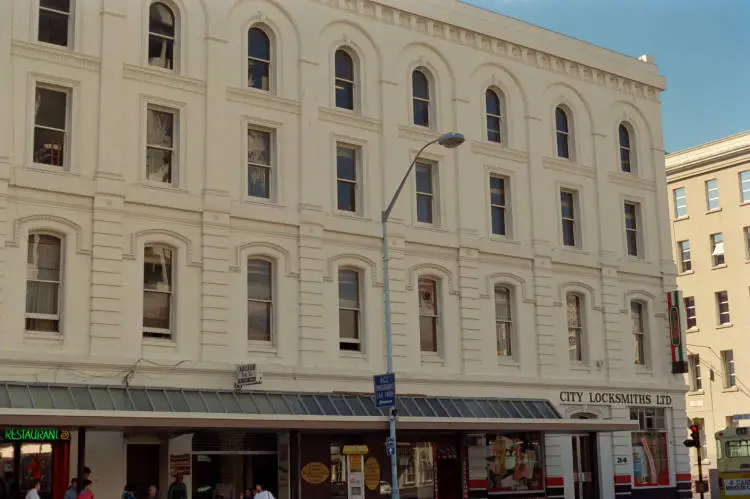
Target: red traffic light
{"type": "Point", "coordinates": [693, 428]}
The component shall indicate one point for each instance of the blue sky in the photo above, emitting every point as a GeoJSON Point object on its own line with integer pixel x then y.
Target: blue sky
{"type": "Point", "coordinates": [700, 46]}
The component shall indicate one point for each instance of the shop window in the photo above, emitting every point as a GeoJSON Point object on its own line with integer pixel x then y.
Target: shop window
{"type": "Point", "coordinates": [650, 457]}
{"type": "Point", "coordinates": [416, 469]}
{"type": "Point", "coordinates": [511, 462]}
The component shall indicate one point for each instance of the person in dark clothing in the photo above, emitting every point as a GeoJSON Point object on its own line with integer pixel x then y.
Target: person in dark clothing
{"type": "Point", "coordinates": [177, 489]}
{"type": "Point", "coordinates": [128, 492]}
{"type": "Point", "coordinates": [14, 490]}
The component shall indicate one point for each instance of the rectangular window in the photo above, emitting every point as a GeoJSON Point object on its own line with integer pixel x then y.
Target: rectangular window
{"type": "Point", "coordinates": [568, 212]}
{"type": "Point", "coordinates": [259, 163]}
{"type": "Point", "coordinates": [429, 315]}
{"type": "Point", "coordinates": [746, 231]}
{"type": "Point", "coordinates": [498, 206]}
{"type": "Point", "coordinates": [503, 321]}
{"type": "Point", "coordinates": [717, 249]}
{"type": "Point", "coordinates": [632, 228]}
{"type": "Point", "coordinates": [347, 187]}
{"type": "Point", "coordinates": [685, 263]}
{"type": "Point", "coordinates": [727, 360]}
{"type": "Point", "coordinates": [680, 202]}
{"type": "Point", "coordinates": [694, 364]}
{"type": "Point", "coordinates": [43, 282]}
{"type": "Point", "coordinates": [691, 319]}
{"type": "Point", "coordinates": [722, 306]}
{"type": "Point", "coordinates": [575, 326]}
{"type": "Point", "coordinates": [160, 145]}
{"type": "Point", "coordinates": [349, 310]}
{"type": "Point", "coordinates": [637, 314]}
{"type": "Point", "coordinates": [51, 126]}
{"type": "Point", "coordinates": [514, 463]}
{"type": "Point", "coordinates": [745, 186]}
{"type": "Point", "coordinates": [55, 22]}
{"type": "Point", "coordinates": [259, 299]}
{"type": "Point", "coordinates": [158, 292]}
{"type": "Point", "coordinates": [712, 194]}
{"type": "Point", "coordinates": [650, 448]}
{"type": "Point", "coordinates": [426, 202]}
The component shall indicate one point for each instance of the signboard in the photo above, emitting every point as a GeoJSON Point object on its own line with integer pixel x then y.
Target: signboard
{"type": "Point", "coordinates": [360, 450]}
{"type": "Point", "coordinates": [390, 447]}
{"type": "Point", "coordinates": [615, 398]}
{"type": "Point", "coordinates": [385, 390]}
{"type": "Point", "coordinates": [735, 484]}
{"type": "Point", "coordinates": [246, 375]}
{"type": "Point", "coordinates": [372, 473]}
{"type": "Point", "coordinates": [21, 434]}
{"type": "Point", "coordinates": [679, 366]}
{"type": "Point", "coordinates": [315, 473]}
{"type": "Point", "coordinates": [355, 477]}
{"type": "Point", "coordinates": [179, 464]}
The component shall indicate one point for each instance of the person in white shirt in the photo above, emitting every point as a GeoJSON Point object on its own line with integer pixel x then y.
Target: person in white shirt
{"type": "Point", "coordinates": [262, 493]}
{"type": "Point", "coordinates": [33, 492]}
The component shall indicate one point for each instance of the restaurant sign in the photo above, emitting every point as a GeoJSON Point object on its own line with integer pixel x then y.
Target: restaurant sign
{"type": "Point", "coordinates": [21, 434]}
{"type": "Point", "coordinates": [614, 398]}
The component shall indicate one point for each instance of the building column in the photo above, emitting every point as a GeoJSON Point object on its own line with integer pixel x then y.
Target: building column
{"type": "Point", "coordinates": [470, 283]}
{"type": "Point", "coordinates": [6, 141]}
{"type": "Point", "coordinates": [615, 352]}
{"type": "Point", "coordinates": [312, 346]}
{"type": "Point", "coordinates": [549, 335]}
{"type": "Point", "coordinates": [558, 465]}
{"type": "Point", "coordinates": [605, 466]}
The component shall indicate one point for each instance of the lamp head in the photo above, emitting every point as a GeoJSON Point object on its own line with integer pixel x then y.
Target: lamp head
{"type": "Point", "coordinates": [451, 140]}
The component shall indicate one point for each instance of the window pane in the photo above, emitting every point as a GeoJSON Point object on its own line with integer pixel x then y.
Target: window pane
{"type": "Point", "coordinates": [493, 103]}
{"type": "Point", "coordinates": [160, 52]}
{"type": "Point", "coordinates": [424, 178]}
{"type": "Point", "coordinates": [259, 182]}
{"type": "Point", "coordinates": [258, 321]}
{"type": "Point", "coordinates": [428, 334]}
{"type": "Point", "coordinates": [161, 20]}
{"type": "Point", "coordinates": [745, 186]}
{"type": "Point", "coordinates": [348, 288]}
{"type": "Point", "coordinates": [421, 113]}
{"type": "Point", "coordinates": [624, 137]}
{"type": "Point", "coordinates": [159, 165]}
{"type": "Point", "coordinates": [258, 44]}
{"type": "Point", "coordinates": [498, 220]}
{"type": "Point", "coordinates": [160, 128]}
{"type": "Point", "coordinates": [497, 191]}
{"type": "Point", "coordinates": [562, 145]}
{"type": "Point", "coordinates": [157, 268]}
{"type": "Point", "coordinates": [567, 206]}
{"type": "Point", "coordinates": [630, 216]}
{"type": "Point", "coordinates": [424, 209]}
{"type": "Point", "coordinates": [427, 297]}
{"type": "Point", "coordinates": [569, 233]}
{"type": "Point", "coordinates": [344, 94]}
{"type": "Point", "coordinates": [42, 297]}
{"type": "Point", "coordinates": [420, 85]}
{"type": "Point", "coordinates": [561, 120]}
{"type": "Point", "coordinates": [49, 147]}
{"type": "Point", "coordinates": [156, 309]}
{"type": "Point", "coordinates": [346, 163]}
{"type": "Point", "coordinates": [344, 65]}
{"type": "Point", "coordinates": [348, 324]}
{"type": "Point", "coordinates": [43, 258]}
{"type": "Point", "coordinates": [51, 108]}
{"type": "Point", "coordinates": [61, 5]}
{"type": "Point", "coordinates": [625, 160]}
{"type": "Point", "coordinates": [347, 196]}
{"type": "Point", "coordinates": [258, 74]}
{"type": "Point", "coordinates": [53, 27]}
{"type": "Point", "coordinates": [494, 133]}
{"type": "Point", "coordinates": [258, 147]}
{"type": "Point", "coordinates": [574, 310]}
{"type": "Point", "coordinates": [259, 279]}
{"type": "Point", "coordinates": [680, 202]}
{"type": "Point", "coordinates": [502, 304]}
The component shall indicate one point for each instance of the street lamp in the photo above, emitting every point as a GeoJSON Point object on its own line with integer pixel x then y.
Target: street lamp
{"type": "Point", "coordinates": [449, 141]}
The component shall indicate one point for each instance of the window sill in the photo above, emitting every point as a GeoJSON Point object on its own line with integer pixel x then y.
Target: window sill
{"type": "Point", "coordinates": [718, 267]}
{"type": "Point", "coordinates": [432, 358]}
{"type": "Point", "coordinates": [499, 238]}
{"type": "Point", "coordinates": [351, 354]}
{"type": "Point", "coordinates": [352, 215]}
{"type": "Point", "coordinates": [505, 361]}
{"type": "Point", "coordinates": [54, 336]}
{"type": "Point", "coordinates": [434, 227]}
{"type": "Point", "coordinates": [161, 186]}
{"type": "Point", "coordinates": [643, 370]}
{"type": "Point", "coordinates": [696, 393]}
{"type": "Point", "coordinates": [687, 272]}
{"type": "Point", "coordinates": [580, 367]}
{"type": "Point", "coordinates": [261, 346]}
{"type": "Point", "coordinates": [730, 389]}
{"type": "Point", "coordinates": [55, 170]}
{"type": "Point", "coordinates": [160, 342]}
{"type": "Point", "coordinates": [261, 201]}
{"type": "Point", "coordinates": [715, 210]}
{"type": "Point", "coordinates": [575, 249]}
{"type": "Point", "coordinates": [745, 203]}
{"type": "Point", "coordinates": [680, 219]}
{"type": "Point", "coordinates": [693, 330]}
{"type": "Point", "coordinates": [725, 326]}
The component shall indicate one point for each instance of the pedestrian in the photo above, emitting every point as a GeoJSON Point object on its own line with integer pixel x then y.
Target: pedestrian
{"type": "Point", "coordinates": [177, 489]}
{"type": "Point", "coordinates": [14, 490]}
{"type": "Point", "coordinates": [248, 494]}
{"type": "Point", "coordinates": [33, 492]}
{"type": "Point", "coordinates": [86, 490]}
{"type": "Point", "coordinates": [224, 489]}
{"type": "Point", "coordinates": [262, 493]}
{"type": "Point", "coordinates": [151, 492]}
{"type": "Point", "coordinates": [128, 492]}
{"type": "Point", "coordinates": [72, 491]}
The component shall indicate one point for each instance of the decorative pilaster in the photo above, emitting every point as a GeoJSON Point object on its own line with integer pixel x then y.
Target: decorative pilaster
{"type": "Point", "coordinates": [405, 356]}
{"type": "Point", "coordinates": [615, 351]}
{"type": "Point", "coordinates": [469, 282]}
{"type": "Point", "coordinates": [215, 302]}
{"type": "Point", "coordinates": [312, 346]}
{"type": "Point", "coordinates": [551, 350]}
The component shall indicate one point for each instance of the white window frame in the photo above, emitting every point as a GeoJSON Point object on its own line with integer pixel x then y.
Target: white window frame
{"type": "Point", "coordinates": [723, 318]}
{"type": "Point", "coordinates": [153, 333]}
{"type": "Point", "coordinates": [569, 134]}
{"type": "Point", "coordinates": [271, 62]}
{"type": "Point", "coordinates": [684, 255]}
{"type": "Point", "coordinates": [507, 322]}
{"type": "Point", "coordinates": [688, 308]}
{"type": "Point", "coordinates": [712, 187]}
{"type": "Point", "coordinates": [176, 40]}
{"type": "Point", "coordinates": [67, 153]}
{"type": "Point", "coordinates": [640, 332]}
{"type": "Point", "coordinates": [679, 195]}
{"type": "Point", "coordinates": [175, 149]}
{"type": "Point", "coordinates": [501, 117]}
{"type": "Point", "coordinates": [272, 301]}
{"type": "Point", "coordinates": [630, 148]}
{"type": "Point", "coordinates": [71, 24]}
{"type": "Point", "coordinates": [358, 340]}
{"type": "Point", "coordinates": [431, 112]}
{"type": "Point", "coordinates": [273, 176]}
{"type": "Point", "coordinates": [505, 208]}
{"type": "Point", "coordinates": [358, 190]}
{"type": "Point", "coordinates": [727, 363]}
{"type": "Point", "coordinates": [637, 230]}
{"type": "Point", "coordinates": [744, 180]}
{"type": "Point", "coordinates": [577, 331]}
{"type": "Point", "coordinates": [354, 83]}
{"type": "Point", "coordinates": [60, 284]}
{"type": "Point", "coordinates": [576, 204]}
{"type": "Point", "coordinates": [434, 195]}
{"type": "Point", "coordinates": [437, 318]}
{"type": "Point", "coordinates": [718, 255]}
{"type": "Point", "coordinates": [696, 379]}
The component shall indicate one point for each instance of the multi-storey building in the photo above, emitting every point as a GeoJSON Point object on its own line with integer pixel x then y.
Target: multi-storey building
{"type": "Point", "coordinates": [709, 186]}
{"type": "Point", "coordinates": [191, 185]}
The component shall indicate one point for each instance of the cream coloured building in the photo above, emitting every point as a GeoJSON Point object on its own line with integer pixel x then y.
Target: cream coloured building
{"type": "Point", "coordinates": [187, 185]}
{"type": "Point", "coordinates": [709, 186]}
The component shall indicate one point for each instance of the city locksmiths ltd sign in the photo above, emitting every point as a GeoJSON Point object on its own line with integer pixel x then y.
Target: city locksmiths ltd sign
{"type": "Point", "coordinates": [21, 434]}
{"type": "Point", "coordinates": [614, 398]}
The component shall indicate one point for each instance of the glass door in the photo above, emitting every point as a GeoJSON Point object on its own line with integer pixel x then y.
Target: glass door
{"type": "Point", "coordinates": [585, 481]}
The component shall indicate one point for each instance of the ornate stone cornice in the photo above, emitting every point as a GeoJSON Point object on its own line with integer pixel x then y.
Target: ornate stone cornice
{"type": "Point", "coordinates": [495, 46]}
{"type": "Point", "coordinates": [157, 77]}
{"type": "Point", "coordinates": [46, 53]}
{"type": "Point", "coordinates": [264, 100]}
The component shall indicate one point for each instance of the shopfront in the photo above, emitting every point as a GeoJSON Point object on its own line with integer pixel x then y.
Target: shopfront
{"type": "Point", "coordinates": [35, 454]}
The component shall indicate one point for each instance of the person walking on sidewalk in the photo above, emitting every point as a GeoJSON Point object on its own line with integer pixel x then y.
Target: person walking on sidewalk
{"type": "Point", "coordinates": [33, 492]}
{"type": "Point", "coordinates": [177, 489]}
{"type": "Point", "coordinates": [72, 491]}
{"type": "Point", "coordinates": [262, 493]}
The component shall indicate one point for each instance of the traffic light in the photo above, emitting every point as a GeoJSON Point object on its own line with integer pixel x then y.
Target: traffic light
{"type": "Point", "coordinates": [695, 437]}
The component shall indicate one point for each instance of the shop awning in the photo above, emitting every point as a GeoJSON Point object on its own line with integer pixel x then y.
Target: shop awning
{"type": "Point", "coordinates": [120, 406]}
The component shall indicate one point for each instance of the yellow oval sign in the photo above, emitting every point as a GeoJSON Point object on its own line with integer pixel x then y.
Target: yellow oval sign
{"type": "Point", "coordinates": [315, 473]}
{"type": "Point", "coordinates": [372, 473]}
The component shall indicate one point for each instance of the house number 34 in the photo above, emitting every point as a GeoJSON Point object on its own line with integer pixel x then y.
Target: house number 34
{"type": "Point", "coordinates": [622, 460]}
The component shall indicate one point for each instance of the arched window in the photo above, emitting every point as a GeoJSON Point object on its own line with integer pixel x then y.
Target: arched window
{"type": "Point", "coordinates": [259, 299]}
{"type": "Point", "coordinates": [562, 127]}
{"type": "Point", "coordinates": [503, 320]}
{"type": "Point", "coordinates": [494, 109]}
{"type": "Point", "coordinates": [161, 36]}
{"type": "Point", "coordinates": [258, 59]}
{"type": "Point", "coordinates": [420, 90]}
{"type": "Point", "coordinates": [345, 79]}
{"type": "Point", "coordinates": [349, 310]}
{"type": "Point", "coordinates": [158, 291]}
{"type": "Point", "coordinates": [626, 164]}
{"type": "Point", "coordinates": [575, 326]}
{"type": "Point", "coordinates": [43, 283]}
{"type": "Point", "coordinates": [639, 317]}
{"type": "Point", "coordinates": [429, 315]}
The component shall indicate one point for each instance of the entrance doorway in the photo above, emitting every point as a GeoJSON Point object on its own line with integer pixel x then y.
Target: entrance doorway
{"type": "Point", "coordinates": [585, 474]}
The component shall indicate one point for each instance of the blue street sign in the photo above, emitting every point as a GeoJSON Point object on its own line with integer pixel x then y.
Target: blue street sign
{"type": "Point", "coordinates": [390, 447]}
{"type": "Point", "coordinates": [385, 390]}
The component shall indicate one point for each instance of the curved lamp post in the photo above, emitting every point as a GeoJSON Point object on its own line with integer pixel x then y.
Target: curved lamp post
{"type": "Point", "coordinates": [449, 141]}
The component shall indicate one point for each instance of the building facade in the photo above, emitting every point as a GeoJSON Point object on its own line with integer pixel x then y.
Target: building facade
{"type": "Point", "coordinates": [709, 187]}
{"type": "Point", "coordinates": [187, 186]}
